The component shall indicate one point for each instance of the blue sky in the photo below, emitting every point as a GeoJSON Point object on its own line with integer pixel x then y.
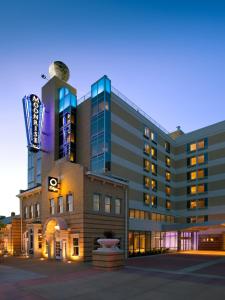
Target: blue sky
{"type": "Point", "coordinates": [166, 56]}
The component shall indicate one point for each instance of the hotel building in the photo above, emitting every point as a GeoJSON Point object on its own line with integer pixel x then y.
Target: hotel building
{"type": "Point", "coordinates": [103, 164]}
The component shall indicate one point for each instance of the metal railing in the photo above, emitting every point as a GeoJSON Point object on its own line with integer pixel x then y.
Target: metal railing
{"type": "Point", "coordinates": [138, 109]}
{"type": "Point", "coordinates": [130, 103]}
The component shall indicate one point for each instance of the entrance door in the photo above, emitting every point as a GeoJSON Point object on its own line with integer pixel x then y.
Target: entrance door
{"type": "Point", "coordinates": [58, 251]}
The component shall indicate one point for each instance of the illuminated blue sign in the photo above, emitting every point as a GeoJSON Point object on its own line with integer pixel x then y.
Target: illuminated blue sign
{"type": "Point", "coordinates": [33, 113]}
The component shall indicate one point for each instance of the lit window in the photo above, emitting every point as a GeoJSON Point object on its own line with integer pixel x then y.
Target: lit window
{"type": "Point", "coordinates": [202, 203]}
{"type": "Point", "coordinates": [39, 238]}
{"type": "Point", "coordinates": [147, 132]}
{"type": "Point", "coordinates": [76, 246]}
{"type": "Point", "coordinates": [193, 147]}
{"type": "Point", "coordinates": [60, 204]}
{"type": "Point", "coordinates": [131, 214]}
{"type": "Point", "coordinates": [168, 176]}
{"type": "Point", "coordinates": [197, 174]}
{"type": "Point", "coordinates": [147, 165]}
{"type": "Point", "coordinates": [142, 214]}
{"type": "Point", "coordinates": [154, 201]}
{"type": "Point", "coordinates": [137, 214]}
{"type": "Point", "coordinates": [147, 149]}
{"type": "Point", "coordinates": [168, 190]}
{"type": "Point", "coordinates": [201, 159]}
{"type": "Point", "coordinates": [146, 182]}
{"type": "Point", "coordinates": [168, 161]}
{"type": "Point", "coordinates": [154, 137]}
{"type": "Point", "coordinates": [154, 153]}
{"type": "Point", "coordinates": [193, 161]}
{"type": "Point", "coordinates": [107, 204]}
{"type": "Point", "coordinates": [167, 147]}
{"type": "Point", "coordinates": [117, 206]}
{"type": "Point", "coordinates": [168, 204]}
{"type": "Point", "coordinates": [201, 188]}
{"type": "Point", "coordinates": [96, 202]}
{"type": "Point", "coordinates": [154, 169]}
{"type": "Point", "coordinates": [193, 189]}
{"type": "Point", "coordinates": [201, 144]}
{"type": "Point", "coordinates": [146, 198]}
{"type": "Point", "coordinates": [154, 184]}
{"type": "Point", "coordinates": [69, 203]}
{"type": "Point", "coordinates": [193, 175]}
{"type": "Point", "coordinates": [52, 206]}
{"type": "Point", "coordinates": [193, 204]}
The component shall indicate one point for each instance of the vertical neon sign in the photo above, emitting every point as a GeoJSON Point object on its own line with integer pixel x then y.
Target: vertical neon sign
{"type": "Point", "coordinates": [33, 114]}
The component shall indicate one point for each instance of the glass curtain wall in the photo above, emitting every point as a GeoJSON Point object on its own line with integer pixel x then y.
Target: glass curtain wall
{"type": "Point", "coordinates": [67, 122]}
{"type": "Point", "coordinates": [101, 125]}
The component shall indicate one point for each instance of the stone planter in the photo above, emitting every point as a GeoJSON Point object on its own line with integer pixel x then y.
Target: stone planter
{"type": "Point", "coordinates": [108, 256]}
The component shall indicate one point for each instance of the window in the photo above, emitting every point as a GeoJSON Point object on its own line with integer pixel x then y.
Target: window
{"type": "Point", "coordinates": [167, 147]}
{"type": "Point", "coordinates": [37, 210]}
{"type": "Point", "coordinates": [39, 238]}
{"type": "Point", "coordinates": [154, 201]}
{"type": "Point", "coordinates": [60, 204]}
{"type": "Point", "coordinates": [96, 202]}
{"type": "Point", "coordinates": [154, 137]}
{"type": "Point", "coordinates": [69, 203]}
{"type": "Point", "coordinates": [168, 190]}
{"type": "Point", "coordinates": [201, 144]}
{"type": "Point", "coordinates": [146, 182]}
{"type": "Point", "coordinates": [147, 165]}
{"type": "Point", "coordinates": [200, 159]}
{"type": "Point", "coordinates": [52, 206]}
{"type": "Point", "coordinates": [193, 147]}
{"type": "Point", "coordinates": [147, 132]}
{"type": "Point", "coordinates": [168, 204]}
{"type": "Point", "coordinates": [154, 185]}
{"type": "Point", "coordinates": [199, 174]}
{"type": "Point", "coordinates": [118, 206]}
{"type": "Point", "coordinates": [131, 214]}
{"type": "Point", "coordinates": [31, 211]}
{"type": "Point", "coordinates": [200, 203]}
{"type": "Point", "coordinates": [147, 149]}
{"type": "Point", "coordinates": [168, 161]}
{"type": "Point", "coordinates": [107, 204]}
{"type": "Point", "coordinates": [26, 212]}
{"type": "Point", "coordinates": [154, 169]}
{"type": "Point", "coordinates": [146, 198]}
{"type": "Point", "coordinates": [168, 176]}
{"type": "Point", "coordinates": [137, 214]}
{"type": "Point", "coordinates": [154, 153]}
{"type": "Point", "coordinates": [194, 189]}
{"type": "Point", "coordinates": [76, 246]}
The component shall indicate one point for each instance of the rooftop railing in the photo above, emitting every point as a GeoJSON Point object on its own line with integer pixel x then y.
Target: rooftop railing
{"type": "Point", "coordinates": [130, 103]}
{"type": "Point", "coordinates": [138, 109]}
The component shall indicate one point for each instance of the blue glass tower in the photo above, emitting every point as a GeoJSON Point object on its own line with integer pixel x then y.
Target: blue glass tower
{"type": "Point", "coordinates": [101, 125]}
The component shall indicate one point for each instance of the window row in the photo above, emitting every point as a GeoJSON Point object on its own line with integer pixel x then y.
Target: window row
{"type": "Point", "coordinates": [32, 211]}
{"type": "Point", "coordinates": [108, 202]}
{"type": "Point", "coordinates": [197, 219]}
{"type": "Point", "coordinates": [199, 203]}
{"type": "Point", "coordinates": [197, 189]}
{"type": "Point", "coordinates": [145, 215]}
{"type": "Point", "coordinates": [199, 159]}
{"type": "Point", "coordinates": [198, 174]}
{"type": "Point", "coordinates": [149, 134]}
{"type": "Point", "coordinates": [150, 151]}
{"type": "Point", "coordinates": [199, 145]}
{"type": "Point", "coordinates": [58, 206]}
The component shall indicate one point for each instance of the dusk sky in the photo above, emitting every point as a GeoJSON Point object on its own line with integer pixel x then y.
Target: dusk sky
{"type": "Point", "coordinates": [166, 56]}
